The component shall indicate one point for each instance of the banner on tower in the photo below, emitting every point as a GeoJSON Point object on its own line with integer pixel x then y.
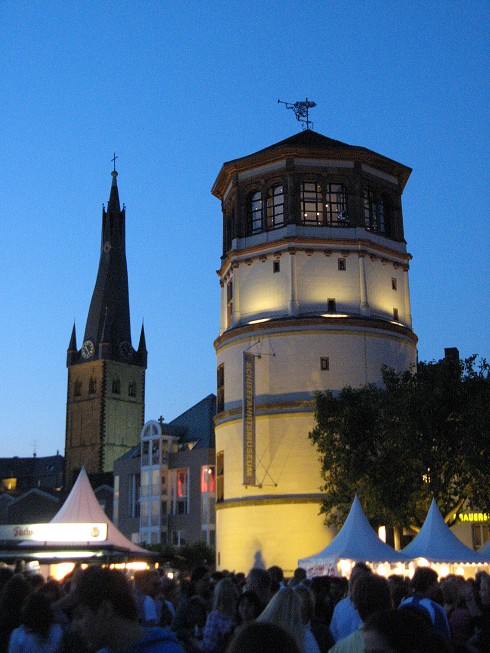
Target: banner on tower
{"type": "Point", "coordinates": [248, 419]}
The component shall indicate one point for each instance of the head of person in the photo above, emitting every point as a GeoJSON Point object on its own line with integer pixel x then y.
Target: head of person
{"type": "Point", "coordinates": [307, 600]}
{"type": "Point", "coordinates": [402, 630]}
{"type": "Point", "coordinates": [276, 575]}
{"type": "Point", "coordinates": [103, 600]}
{"type": "Point", "coordinates": [258, 581]}
{"type": "Point", "coordinates": [37, 615]}
{"type": "Point", "coordinates": [263, 637]}
{"type": "Point", "coordinates": [249, 606]}
{"type": "Point", "coordinates": [284, 610]}
{"type": "Point", "coordinates": [225, 597]}
{"type": "Point", "coordinates": [357, 570]}
{"type": "Point", "coordinates": [424, 580]}
{"type": "Point", "coordinates": [371, 594]}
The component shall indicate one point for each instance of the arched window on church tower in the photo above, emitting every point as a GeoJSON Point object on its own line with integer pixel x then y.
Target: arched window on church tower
{"type": "Point", "coordinates": [78, 388]}
{"type": "Point", "coordinates": [92, 385]}
{"type": "Point", "coordinates": [132, 389]}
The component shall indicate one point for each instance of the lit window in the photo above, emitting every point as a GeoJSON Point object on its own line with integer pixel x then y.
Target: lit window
{"type": "Point", "coordinates": [229, 302]}
{"type": "Point", "coordinates": [255, 212]}
{"type": "Point", "coordinates": [180, 492]}
{"type": "Point", "coordinates": [374, 211]}
{"type": "Point", "coordinates": [324, 363]}
{"type": "Point", "coordinates": [208, 480]}
{"type": "Point", "coordinates": [311, 203]}
{"type": "Point", "coordinates": [342, 264]}
{"type": "Point", "coordinates": [275, 207]}
{"type": "Point", "coordinates": [335, 211]}
{"type": "Point", "coordinates": [220, 476]}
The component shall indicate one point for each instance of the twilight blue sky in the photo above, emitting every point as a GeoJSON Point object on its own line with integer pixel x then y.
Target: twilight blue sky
{"type": "Point", "coordinates": [177, 88]}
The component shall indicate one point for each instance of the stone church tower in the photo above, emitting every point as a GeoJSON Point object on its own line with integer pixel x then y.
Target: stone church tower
{"type": "Point", "coordinates": [106, 377]}
{"type": "Point", "coordinates": [314, 296]}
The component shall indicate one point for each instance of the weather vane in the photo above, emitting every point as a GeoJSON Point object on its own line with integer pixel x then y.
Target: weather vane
{"type": "Point", "coordinates": [301, 111]}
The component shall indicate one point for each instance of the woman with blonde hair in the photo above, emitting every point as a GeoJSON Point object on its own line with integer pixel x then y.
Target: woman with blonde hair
{"type": "Point", "coordinates": [284, 610]}
{"type": "Point", "coordinates": [221, 621]}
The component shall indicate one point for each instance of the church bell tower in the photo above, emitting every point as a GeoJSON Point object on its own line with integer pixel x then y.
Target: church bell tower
{"type": "Point", "coordinates": [106, 376]}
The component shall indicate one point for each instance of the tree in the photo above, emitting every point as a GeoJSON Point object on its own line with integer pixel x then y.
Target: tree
{"type": "Point", "coordinates": [418, 435]}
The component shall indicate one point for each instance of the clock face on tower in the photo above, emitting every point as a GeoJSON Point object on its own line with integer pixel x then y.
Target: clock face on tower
{"type": "Point", "coordinates": [88, 349]}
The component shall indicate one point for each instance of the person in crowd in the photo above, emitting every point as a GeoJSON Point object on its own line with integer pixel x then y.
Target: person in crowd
{"type": "Point", "coordinates": [284, 610]}
{"type": "Point", "coordinates": [458, 615]}
{"type": "Point", "coordinates": [479, 642]}
{"type": "Point", "coordinates": [265, 637]}
{"type": "Point", "coordinates": [38, 632]}
{"type": "Point", "coordinates": [221, 621]}
{"type": "Point", "coordinates": [14, 593]}
{"type": "Point", "coordinates": [298, 576]}
{"type": "Point", "coordinates": [422, 584]}
{"type": "Point", "coordinates": [370, 594]}
{"type": "Point", "coordinates": [345, 618]}
{"type": "Point", "coordinates": [399, 588]}
{"type": "Point", "coordinates": [105, 615]}
{"type": "Point", "coordinates": [192, 609]}
{"type": "Point", "coordinates": [402, 630]}
{"type": "Point", "coordinates": [248, 607]}
{"type": "Point", "coordinates": [258, 581]}
{"type": "Point", "coordinates": [276, 575]}
{"type": "Point", "coordinates": [146, 588]}
{"type": "Point", "coordinates": [322, 612]}
{"type": "Point", "coordinates": [314, 639]}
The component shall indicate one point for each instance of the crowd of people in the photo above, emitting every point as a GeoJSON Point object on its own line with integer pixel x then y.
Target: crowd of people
{"type": "Point", "coordinates": [99, 609]}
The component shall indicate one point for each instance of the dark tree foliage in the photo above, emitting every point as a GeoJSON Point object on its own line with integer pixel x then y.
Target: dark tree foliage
{"type": "Point", "coordinates": [417, 436]}
{"type": "Point", "coordinates": [185, 558]}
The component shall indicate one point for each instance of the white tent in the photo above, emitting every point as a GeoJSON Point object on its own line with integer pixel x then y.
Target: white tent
{"type": "Point", "coordinates": [82, 507]}
{"type": "Point", "coordinates": [437, 543]}
{"type": "Point", "coordinates": [355, 541]}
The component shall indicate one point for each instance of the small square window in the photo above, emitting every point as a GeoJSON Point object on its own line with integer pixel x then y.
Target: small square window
{"type": "Point", "coordinates": [324, 363]}
{"type": "Point", "coordinates": [342, 264]}
{"type": "Point", "coordinates": [395, 314]}
{"type": "Point", "coordinates": [393, 283]}
{"type": "Point", "coordinates": [276, 266]}
{"type": "Point", "coordinates": [332, 306]}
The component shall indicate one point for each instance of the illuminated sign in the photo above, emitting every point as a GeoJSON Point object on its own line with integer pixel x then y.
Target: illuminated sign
{"type": "Point", "coordinates": [474, 517]}
{"type": "Point", "coordinates": [248, 419]}
{"type": "Point", "coordinates": [59, 532]}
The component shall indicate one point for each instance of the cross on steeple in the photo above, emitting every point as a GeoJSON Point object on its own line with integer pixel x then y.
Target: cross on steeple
{"type": "Point", "coordinates": [114, 161]}
{"type": "Point", "coordinates": [161, 420]}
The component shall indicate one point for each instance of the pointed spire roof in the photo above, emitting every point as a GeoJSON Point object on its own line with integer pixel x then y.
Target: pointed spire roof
{"type": "Point", "coordinates": [437, 543]}
{"type": "Point", "coordinates": [81, 506]}
{"type": "Point", "coordinates": [357, 541]}
{"type": "Point", "coordinates": [114, 205]}
{"type": "Point", "coordinates": [73, 340]}
{"type": "Point", "coordinates": [142, 343]}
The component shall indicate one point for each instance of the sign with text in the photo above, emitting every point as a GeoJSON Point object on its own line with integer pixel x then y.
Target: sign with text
{"type": "Point", "coordinates": [248, 419]}
{"type": "Point", "coordinates": [54, 532]}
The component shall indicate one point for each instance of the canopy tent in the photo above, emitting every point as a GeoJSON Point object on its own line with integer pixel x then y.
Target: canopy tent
{"type": "Point", "coordinates": [485, 551]}
{"type": "Point", "coordinates": [355, 541]}
{"type": "Point", "coordinates": [81, 507]}
{"type": "Point", "coordinates": [436, 543]}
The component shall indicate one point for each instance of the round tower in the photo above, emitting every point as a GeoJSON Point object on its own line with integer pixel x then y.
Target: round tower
{"type": "Point", "coordinates": [314, 296]}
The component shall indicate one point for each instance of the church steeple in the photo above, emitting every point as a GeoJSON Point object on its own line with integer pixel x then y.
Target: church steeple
{"type": "Point", "coordinates": [108, 329]}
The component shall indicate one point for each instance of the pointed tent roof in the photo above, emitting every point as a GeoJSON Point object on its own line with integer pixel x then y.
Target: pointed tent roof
{"type": "Point", "coordinates": [485, 552]}
{"type": "Point", "coordinates": [436, 543]}
{"type": "Point", "coordinates": [357, 541]}
{"type": "Point", "coordinates": [81, 506]}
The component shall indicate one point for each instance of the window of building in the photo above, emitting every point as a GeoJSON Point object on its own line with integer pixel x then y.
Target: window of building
{"type": "Point", "coordinates": [395, 314]}
{"type": "Point", "coordinates": [134, 495]}
{"type": "Point", "coordinates": [220, 394]}
{"type": "Point", "coordinates": [342, 264]}
{"type": "Point", "coordinates": [78, 388]}
{"type": "Point", "coordinates": [229, 302]}
{"type": "Point", "coordinates": [275, 207]}
{"type": "Point", "coordinates": [145, 453]}
{"type": "Point", "coordinates": [374, 211]}
{"type": "Point", "coordinates": [220, 476]}
{"type": "Point", "coordinates": [145, 483]}
{"type": "Point", "coordinates": [324, 363]}
{"type": "Point", "coordinates": [155, 451]}
{"type": "Point", "coordinates": [92, 385]}
{"type": "Point", "coordinates": [208, 478]}
{"type": "Point", "coordinates": [155, 513]}
{"type": "Point", "coordinates": [331, 306]}
{"type": "Point", "coordinates": [180, 492]}
{"type": "Point", "coordinates": [115, 505]}
{"type": "Point", "coordinates": [165, 451]}
{"type": "Point", "coordinates": [335, 211]}
{"type": "Point", "coordinates": [276, 266]}
{"type": "Point", "coordinates": [311, 203]}
{"type": "Point", "coordinates": [255, 212]}
{"type": "Point", "coordinates": [144, 514]}
{"type": "Point", "coordinates": [132, 389]}
{"type": "Point", "coordinates": [394, 284]}
{"type": "Point", "coordinates": [480, 535]}
{"type": "Point", "coordinates": [178, 538]}
{"type": "Point", "coordinates": [155, 482]}
{"type": "Point", "coordinates": [116, 386]}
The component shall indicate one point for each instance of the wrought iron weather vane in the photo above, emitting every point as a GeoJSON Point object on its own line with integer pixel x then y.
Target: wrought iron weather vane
{"type": "Point", "coordinates": [301, 111]}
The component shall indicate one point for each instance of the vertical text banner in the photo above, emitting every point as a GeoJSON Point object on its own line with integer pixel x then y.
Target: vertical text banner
{"type": "Point", "coordinates": [248, 419]}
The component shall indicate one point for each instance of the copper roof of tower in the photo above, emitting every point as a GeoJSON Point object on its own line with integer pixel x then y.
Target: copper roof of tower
{"type": "Point", "coordinates": [313, 144]}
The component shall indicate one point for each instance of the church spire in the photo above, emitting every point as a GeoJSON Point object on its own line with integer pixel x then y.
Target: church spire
{"type": "Point", "coordinates": [108, 328]}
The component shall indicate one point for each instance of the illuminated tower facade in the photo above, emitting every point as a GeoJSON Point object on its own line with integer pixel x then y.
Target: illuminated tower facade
{"type": "Point", "coordinates": [314, 296]}
{"type": "Point", "coordinates": [106, 376]}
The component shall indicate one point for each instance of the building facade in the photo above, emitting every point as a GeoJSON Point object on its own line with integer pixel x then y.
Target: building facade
{"type": "Point", "coordinates": [314, 296]}
{"type": "Point", "coordinates": [106, 376]}
{"type": "Point", "coordinates": [164, 489]}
